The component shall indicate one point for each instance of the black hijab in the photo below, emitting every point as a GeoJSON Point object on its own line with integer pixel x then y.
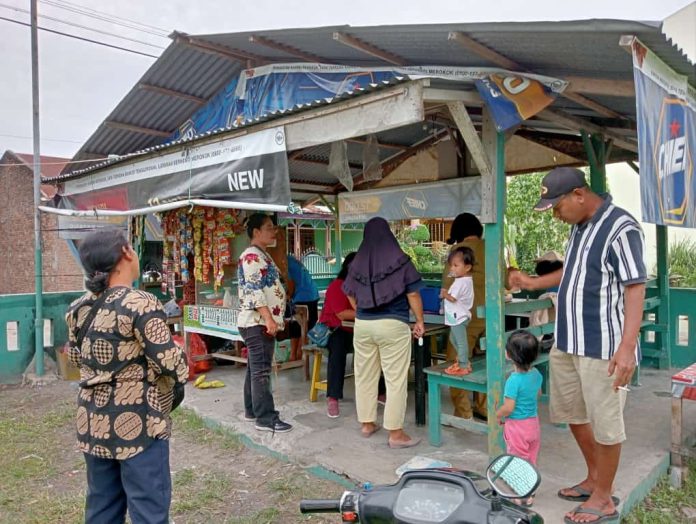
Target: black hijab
{"type": "Point", "coordinates": [381, 271]}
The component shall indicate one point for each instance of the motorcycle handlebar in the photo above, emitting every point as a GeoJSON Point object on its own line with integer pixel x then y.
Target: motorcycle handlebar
{"type": "Point", "coordinates": [320, 506]}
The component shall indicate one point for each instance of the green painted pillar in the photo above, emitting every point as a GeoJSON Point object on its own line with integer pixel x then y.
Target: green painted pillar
{"type": "Point", "coordinates": [338, 253]}
{"type": "Point", "coordinates": [663, 314]}
{"type": "Point", "coordinates": [597, 152]}
{"type": "Point", "coordinates": [495, 271]}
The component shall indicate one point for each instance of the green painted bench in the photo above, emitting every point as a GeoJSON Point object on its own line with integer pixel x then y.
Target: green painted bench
{"type": "Point", "coordinates": [475, 381]}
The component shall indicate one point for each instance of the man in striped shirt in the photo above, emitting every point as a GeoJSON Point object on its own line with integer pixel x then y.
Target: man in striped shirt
{"type": "Point", "coordinates": [598, 316]}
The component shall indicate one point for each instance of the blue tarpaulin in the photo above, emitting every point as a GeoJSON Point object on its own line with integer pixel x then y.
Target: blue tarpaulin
{"type": "Point", "coordinates": [513, 97]}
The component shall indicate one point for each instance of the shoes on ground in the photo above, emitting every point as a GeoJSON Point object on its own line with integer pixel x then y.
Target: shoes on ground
{"type": "Point", "coordinates": [332, 408]}
{"type": "Point", "coordinates": [277, 426]}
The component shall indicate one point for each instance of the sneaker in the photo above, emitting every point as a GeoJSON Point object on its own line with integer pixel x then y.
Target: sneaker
{"type": "Point", "coordinates": [332, 408]}
{"type": "Point", "coordinates": [278, 426]}
{"type": "Point", "coordinates": [382, 399]}
{"type": "Point", "coordinates": [249, 418]}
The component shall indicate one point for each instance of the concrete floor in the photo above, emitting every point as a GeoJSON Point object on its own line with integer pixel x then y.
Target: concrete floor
{"type": "Point", "coordinates": [337, 446]}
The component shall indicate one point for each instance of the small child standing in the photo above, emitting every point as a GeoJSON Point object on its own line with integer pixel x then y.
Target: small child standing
{"type": "Point", "coordinates": [519, 412]}
{"type": "Point", "coordinates": [459, 300]}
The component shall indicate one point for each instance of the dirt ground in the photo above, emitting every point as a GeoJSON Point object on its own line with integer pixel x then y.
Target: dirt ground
{"type": "Point", "coordinates": [215, 477]}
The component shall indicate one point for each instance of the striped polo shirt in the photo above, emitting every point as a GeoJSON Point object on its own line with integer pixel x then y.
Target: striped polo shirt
{"type": "Point", "coordinates": [604, 255]}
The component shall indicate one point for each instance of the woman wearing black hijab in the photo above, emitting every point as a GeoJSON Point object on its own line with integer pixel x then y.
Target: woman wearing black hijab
{"type": "Point", "coordinates": [382, 284]}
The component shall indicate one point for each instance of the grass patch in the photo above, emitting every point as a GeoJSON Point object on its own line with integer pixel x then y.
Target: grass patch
{"type": "Point", "coordinates": [264, 516]}
{"type": "Point", "coordinates": [193, 426]}
{"type": "Point", "coordinates": [36, 487]}
{"type": "Point", "coordinates": [196, 492]}
{"type": "Point", "coordinates": [664, 503]}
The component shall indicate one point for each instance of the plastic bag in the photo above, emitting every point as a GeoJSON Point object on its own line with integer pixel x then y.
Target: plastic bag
{"type": "Point", "coordinates": [338, 164]}
{"type": "Point", "coordinates": [196, 348]}
{"type": "Point", "coordinates": [372, 168]}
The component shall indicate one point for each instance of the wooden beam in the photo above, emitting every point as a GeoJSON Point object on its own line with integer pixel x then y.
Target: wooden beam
{"type": "Point", "coordinates": [304, 187]}
{"type": "Point", "coordinates": [171, 92]}
{"type": "Point", "coordinates": [600, 86]}
{"type": "Point", "coordinates": [369, 49]}
{"type": "Point", "coordinates": [483, 51]}
{"type": "Point", "coordinates": [321, 162]}
{"type": "Point", "coordinates": [137, 129]}
{"type": "Point", "coordinates": [473, 143]}
{"type": "Point", "coordinates": [506, 63]}
{"type": "Point", "coordinates": [292, 51]}
{"type": "Point", "coordinates": [577, 124]}
{"type": "Point", "coordinates": [222, 51]}
{"type": "Point", "coordinates": [385, 145]}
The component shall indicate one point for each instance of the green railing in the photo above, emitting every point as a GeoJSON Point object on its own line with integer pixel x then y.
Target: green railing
{"type": "Point", "coordinates": [17, 330]}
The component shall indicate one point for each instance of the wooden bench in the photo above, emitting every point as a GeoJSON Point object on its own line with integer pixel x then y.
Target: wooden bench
{"type": "Point", "coordinates": [683, 387]}
{"type": "Point", "coordinates": [475, 381]}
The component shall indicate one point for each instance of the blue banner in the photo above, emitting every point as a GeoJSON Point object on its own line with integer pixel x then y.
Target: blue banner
{"type": "Point", "coordinates": [279, 87]}
{"type": "Point", "coordinates": [666, 111]}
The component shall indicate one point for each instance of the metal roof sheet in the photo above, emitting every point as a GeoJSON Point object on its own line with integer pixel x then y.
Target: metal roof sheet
{"type": "Point", "coordinates": [586, 48]}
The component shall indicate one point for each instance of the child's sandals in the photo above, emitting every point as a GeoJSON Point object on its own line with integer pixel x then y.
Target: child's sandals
{"type": "Point", "coordinates": [457, 371]}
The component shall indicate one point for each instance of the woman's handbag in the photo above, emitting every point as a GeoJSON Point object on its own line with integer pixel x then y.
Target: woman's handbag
{"type": "Point", "coordinates": [320, 334]}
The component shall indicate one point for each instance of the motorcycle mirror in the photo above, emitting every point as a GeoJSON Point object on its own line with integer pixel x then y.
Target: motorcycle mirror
{"type": "Point", "coordinates": [513, 477]}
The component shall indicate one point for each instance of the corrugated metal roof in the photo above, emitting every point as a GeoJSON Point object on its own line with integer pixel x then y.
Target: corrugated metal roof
{"type": "Point", "coordinates": [584, 48]}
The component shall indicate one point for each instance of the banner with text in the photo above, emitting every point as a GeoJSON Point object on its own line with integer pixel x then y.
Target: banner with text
{"type": "Point", "coordinates": [251, 168]}
{"type": "Point", "coordinates": [442, 199]}
{"type": "Point", "coordinates": [666, 110]}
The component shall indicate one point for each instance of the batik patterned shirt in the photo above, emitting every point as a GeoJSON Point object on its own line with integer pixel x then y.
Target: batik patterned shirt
{"type": "Point", "coordinates": [259, 285]}
{"type": "Point", "coordinates": [129, 366]}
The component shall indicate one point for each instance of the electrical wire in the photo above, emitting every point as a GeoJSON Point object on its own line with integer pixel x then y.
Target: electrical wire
{"type": "Point", "coordinates": [42, 138]}
{"type": "Point", "coordinates": [108, 15]}
{"type": "Point", "coordinates": [69, 35]}
{"type": "Point", "coordinates": [113, 19]}
{"type": "Point", "coordinates": [79, 26]}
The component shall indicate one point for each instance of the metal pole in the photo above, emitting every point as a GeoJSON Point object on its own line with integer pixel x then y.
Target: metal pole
{"type": "Point", "coordinates": [38, 283]}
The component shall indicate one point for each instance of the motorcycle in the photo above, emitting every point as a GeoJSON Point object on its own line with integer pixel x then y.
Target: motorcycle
{"type": "Point", "coordinates": [442, 495]}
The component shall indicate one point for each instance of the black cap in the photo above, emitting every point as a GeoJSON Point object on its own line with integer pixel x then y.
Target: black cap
{"type": "Point", "coordinates": [559, 182]}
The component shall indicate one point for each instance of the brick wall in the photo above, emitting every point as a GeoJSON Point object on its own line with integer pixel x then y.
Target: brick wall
{"type": "Point", "coordinates": [60, 269]}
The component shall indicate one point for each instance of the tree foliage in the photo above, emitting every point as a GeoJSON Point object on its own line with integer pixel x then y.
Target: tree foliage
{"type": "Point", "coordinates": [529, 233]}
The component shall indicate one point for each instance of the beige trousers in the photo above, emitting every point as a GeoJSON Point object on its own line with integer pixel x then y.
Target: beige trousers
{"type": "Point", "coordinates": [385, 345]}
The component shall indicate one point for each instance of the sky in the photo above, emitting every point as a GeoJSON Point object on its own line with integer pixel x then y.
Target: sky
{"type": "Point", "coordinates": [81, 82]}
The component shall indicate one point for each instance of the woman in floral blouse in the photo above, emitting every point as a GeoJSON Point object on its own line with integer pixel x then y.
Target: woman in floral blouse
{"type": "Point", "coordinates": [129, 371]}
{"type": "Point", "coordinates": [262, 304]}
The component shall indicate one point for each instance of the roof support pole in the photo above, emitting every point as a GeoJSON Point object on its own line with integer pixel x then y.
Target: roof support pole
{"type": "Point", "coordinates": [598, 151]}
{"type": "Point", "coordinates": [664, 337]}
{"type": "Point", "coordinates": [482, 160]}
{"type": "Point", "coordinates": [494, 144]}
{"type": "Point", "coordinates": [38, 262]}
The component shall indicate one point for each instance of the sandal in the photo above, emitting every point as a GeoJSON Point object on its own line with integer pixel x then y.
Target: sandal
{"type": "Point", "coordinates": [368, 434]}
{"type": "Point", "coordinates": [603, 517]}
{"type": "Point", "coordinates": [457, 371]}
{"type": "Point", "coordinates": [582, 495]}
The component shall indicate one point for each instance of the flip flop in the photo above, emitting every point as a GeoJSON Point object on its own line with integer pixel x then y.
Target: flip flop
{"type": "Point", "coordinates": [603, 517]}
{"type": "Point", "coordinates": [407, 444]}
{"type": "Point", "coordinates": [583, 495]}
{"type": "Point", "coordinates": [368, 434]}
